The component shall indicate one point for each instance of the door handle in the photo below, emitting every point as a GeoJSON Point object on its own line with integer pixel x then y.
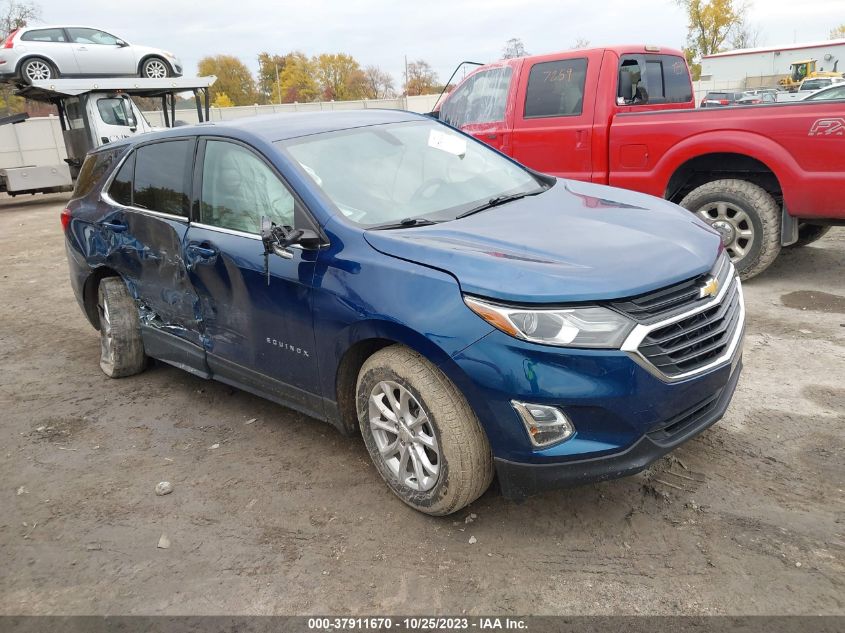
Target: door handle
{"type": "Point", "coordinates": [117, 227]}
{"type": "Point", "coordinates": [82, 48]}
{"type": "Point", "coordinates": [201, 252]}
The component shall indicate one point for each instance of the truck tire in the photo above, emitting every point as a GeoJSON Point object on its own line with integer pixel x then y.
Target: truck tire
{"type": "Point", "coordinates": [37, 69]}
{"type": "Point", "coordinates": [121, 348]}
{"type": "Point", "coordinates": [809, 233]}
{"type": "Point", "coordinates": [422, 436]}
{"type": "Point", "coordinates": [746, 216]}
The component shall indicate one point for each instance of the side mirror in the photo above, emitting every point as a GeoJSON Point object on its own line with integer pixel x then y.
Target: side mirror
{"type": "Point", "coordinates": [277, 239]}
{"type": "Point", "coordinates": [122, 43]}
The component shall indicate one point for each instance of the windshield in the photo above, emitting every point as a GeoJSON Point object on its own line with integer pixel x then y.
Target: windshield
{"type": "Point", "coordinates": [383, 174]}
{"type": "Point", "coordinates": [815, 84]}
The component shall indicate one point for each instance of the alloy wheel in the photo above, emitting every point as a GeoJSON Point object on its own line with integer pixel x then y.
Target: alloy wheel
{"type": "Point", "coordinates": [155, 69]}
{"type": "Point", "coordinates": [404, 436]}
{"type": "Point", "coordinates": [733, 225]}
{"type": "Point", "coordinates": [106, 339]}
{"type": "Point", "coordinates": [37, 70]}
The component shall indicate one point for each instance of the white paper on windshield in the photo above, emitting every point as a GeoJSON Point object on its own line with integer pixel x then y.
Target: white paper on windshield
{"type": "Point", "coordinates": [447, 143]}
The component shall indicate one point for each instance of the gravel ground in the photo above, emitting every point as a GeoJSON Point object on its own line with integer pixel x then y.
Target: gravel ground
{"type": "Point", "coordinates": [286, 516]}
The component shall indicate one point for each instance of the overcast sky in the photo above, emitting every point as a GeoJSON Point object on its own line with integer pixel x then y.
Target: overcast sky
{"type": "Point", "coordinates": [443, 32]}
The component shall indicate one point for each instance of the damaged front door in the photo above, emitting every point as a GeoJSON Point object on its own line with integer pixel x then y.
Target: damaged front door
{"type": "Point", "coordinates": [256, 312]}
{"type": "Point", "coordinates": [152, 193]}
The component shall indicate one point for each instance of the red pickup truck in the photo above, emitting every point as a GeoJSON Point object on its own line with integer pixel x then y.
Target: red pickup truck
{"type": "Point", "coordinates": [763, 176]}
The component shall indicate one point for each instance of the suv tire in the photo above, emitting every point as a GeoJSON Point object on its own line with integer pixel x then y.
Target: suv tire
{"type": "Point", "coordinates": [436, 458]}
{"type": "Point", "coordinates": [121, 348]}
{"type": "Point", "coordinates": [746, 215]}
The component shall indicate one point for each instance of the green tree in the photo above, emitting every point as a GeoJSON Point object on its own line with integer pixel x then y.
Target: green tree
{"type": "Point", "coordinates": [838, 32]}
{"type": "Point", "coordinates": [339, 77]}
{"type": "Point", "coordinates": [233, 78]}
{"type": "Point", "coordinates": [710, 23]}
{"type": "Point", "coordinates": [298, 80]}
{"type": "Point", "coordinates": [421, 79]}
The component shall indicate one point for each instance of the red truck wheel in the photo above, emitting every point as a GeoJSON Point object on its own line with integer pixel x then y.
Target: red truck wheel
{"type": "Point", "coordinates": [746, 216]}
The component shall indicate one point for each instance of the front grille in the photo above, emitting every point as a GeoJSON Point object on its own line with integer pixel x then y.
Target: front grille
{"type": "Point", "coordinates": [695, 341]}
{"type": "Point", "coordinates": [681, 297]}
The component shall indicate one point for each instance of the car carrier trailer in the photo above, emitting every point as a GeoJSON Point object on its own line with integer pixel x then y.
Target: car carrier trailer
{"type": "Point", "coordinates": [93, 112]}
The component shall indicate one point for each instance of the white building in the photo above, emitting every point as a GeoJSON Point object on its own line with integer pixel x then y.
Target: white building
{"type": "Point", "coordinates": [751, 65]}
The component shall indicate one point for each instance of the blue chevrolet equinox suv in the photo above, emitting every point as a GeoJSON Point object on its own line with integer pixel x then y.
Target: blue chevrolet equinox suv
{"type": "Point", "coordinates": [394, 277]}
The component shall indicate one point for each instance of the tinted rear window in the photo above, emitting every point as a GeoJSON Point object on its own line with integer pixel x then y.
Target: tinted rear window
{"type": "Point", "coordinates": [93, 169]}
{"type": "Point", "coordinates": [556, 88]}
{"type": "Point", "coordinates": [44, 35]}
{"type": "Point", "coordinates": [163, 177]}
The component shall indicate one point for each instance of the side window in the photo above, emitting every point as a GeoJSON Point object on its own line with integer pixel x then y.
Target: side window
{"type": "Point", "coordinates": [483, 99]}
{"type": "Point", "coordinates": [556, 88]}
{"type": "Point", "coordinates": [44, 35]}
{"type": "Point", "coordinates": [163, 177]}
{"type": "Point", "coordinates": [238, 188]}
{"type": "Point", "coordinates": [115, 111]}
{"type": "Point", "coordinates": [94, 167]}
{"type": "Point", "coordinates": [75, 113]}
{"type": "Point", "coordinates": [91, 36]}
{"type": "Point", "coordinates": [121, 186]}
{"type": "Point", "coordinates": [653, 79]}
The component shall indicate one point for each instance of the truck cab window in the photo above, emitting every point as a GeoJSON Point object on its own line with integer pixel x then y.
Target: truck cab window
{"type": "Point", "coordinates": [482, 98]}
{"type": "Point", "coordinates": [556, 88]}
{"type": "Point", "coordinates": [653, 79]}
{"type": "Point", "coordinates": [116, 111]}
{"type": "Point", "coordinates": [74, 112]}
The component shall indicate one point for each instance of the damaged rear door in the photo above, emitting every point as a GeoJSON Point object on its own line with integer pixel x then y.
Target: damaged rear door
{"type": "Point", "coordinates": [151, 196]}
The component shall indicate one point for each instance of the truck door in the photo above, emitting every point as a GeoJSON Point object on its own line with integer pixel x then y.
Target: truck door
{"type": "Point", "coordinates": [553, 118]}
{"type": "Point", "coordinates": [479, 106]}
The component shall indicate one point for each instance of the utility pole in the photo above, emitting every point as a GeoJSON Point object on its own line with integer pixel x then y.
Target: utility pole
{"type": "Point", "coordinates": [278, 84]}
{"type": "Point", "coordinates": [406, 82]}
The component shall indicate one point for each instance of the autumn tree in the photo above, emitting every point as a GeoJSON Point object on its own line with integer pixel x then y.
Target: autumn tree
{"type": "Point", "coordinates": [298, 80]}
{"type": "Point", "coordinates": [745, 35]}
{"type": "Point", "coordinates": [233, 78]}
{"type": "Point", "coordinates": [378, 84]}
{"type": "Point", "coordinates": [270, 69]}
{"type": "Point", "coordinates": [710, 24]}
{"type": "Point", "coordinates": [15, 15]}
{"type": "Point", "coordinates": [838, 32]}
{"type": "Point", "coordinates": [339, 77]}
{"type": "Point", "coordinates": [421, 79]}
{"type": "Point", "coordinates": [514, 48]}
{"type": "Point", "coordinates": [222, 100]}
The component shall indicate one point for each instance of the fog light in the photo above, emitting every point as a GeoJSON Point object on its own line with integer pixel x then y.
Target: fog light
{"type": "Point", "coordinates": [545, 425]}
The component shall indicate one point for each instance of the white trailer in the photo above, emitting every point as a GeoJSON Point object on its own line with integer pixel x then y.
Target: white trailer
{"type": "Point", "coordinates": [93, 112]}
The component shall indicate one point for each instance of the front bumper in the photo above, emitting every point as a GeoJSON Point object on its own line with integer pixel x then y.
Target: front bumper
{"type": "Point", "coordinates": [519, 480]}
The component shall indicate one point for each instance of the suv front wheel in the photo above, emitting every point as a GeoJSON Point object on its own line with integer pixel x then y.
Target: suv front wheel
{"type": "Point", "coordinates": [121, 348]}
{"type": "Point", "coordinates": [422, 436]}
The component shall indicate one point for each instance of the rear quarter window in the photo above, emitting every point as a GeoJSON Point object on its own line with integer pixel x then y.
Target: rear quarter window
{"type": "Point", "coordinates": [163, 177]}
{"type": "Point", "coordinates": [93, 169]}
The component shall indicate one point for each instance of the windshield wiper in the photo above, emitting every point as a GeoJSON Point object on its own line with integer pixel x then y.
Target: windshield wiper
{"type": "Point", "coordinates": [403, 224]}
{"type": "Point", "coordinates": [496, 201]}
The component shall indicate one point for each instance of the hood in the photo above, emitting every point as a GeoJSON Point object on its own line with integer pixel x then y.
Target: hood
{"type": "Point", "coordinates": [574, 242]}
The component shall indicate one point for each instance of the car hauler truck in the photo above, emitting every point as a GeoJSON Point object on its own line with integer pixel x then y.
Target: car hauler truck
{"type": "Point", "coordinates": [91, 113]}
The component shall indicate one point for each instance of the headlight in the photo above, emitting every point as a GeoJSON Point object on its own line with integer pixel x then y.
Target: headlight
{"type": "Point", "coordinates": [573, 327]}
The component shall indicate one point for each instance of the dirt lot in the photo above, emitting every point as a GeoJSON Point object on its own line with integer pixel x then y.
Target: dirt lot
{"type": "Point", "coordinates": [287, 517]}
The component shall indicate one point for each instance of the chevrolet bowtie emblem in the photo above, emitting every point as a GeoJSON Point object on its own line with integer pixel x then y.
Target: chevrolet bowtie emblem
{"type": "Point", "coordinates": [709, 289]}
